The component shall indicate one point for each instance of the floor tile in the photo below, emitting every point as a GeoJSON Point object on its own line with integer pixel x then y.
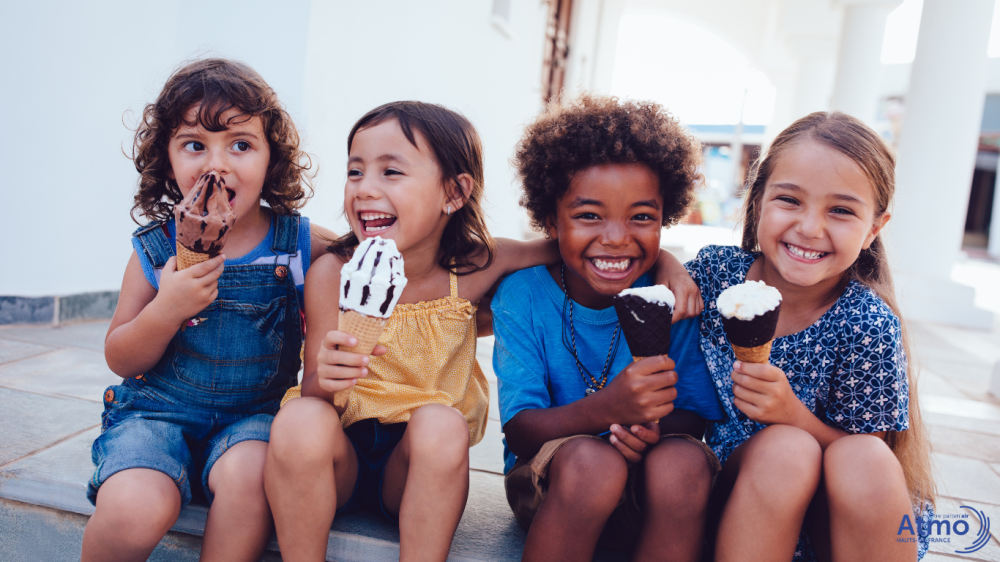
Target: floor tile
{"type": "Point", "coordinates": [955, 422]}
{"type": "Point", "coordinates": [966, 479]}
{"type": "Point", "coordinates": [12, 350]}
{"type": "Point", "coordinates": [31, 422]}
{"type": "Point", "coordinates": [85, 334]}
{"type": "Point", "coordinates": [962, 408]}
{"type": "Point", "coordinates": [963, 443]}
{"type": "Point", "coordinates": [73, 372]}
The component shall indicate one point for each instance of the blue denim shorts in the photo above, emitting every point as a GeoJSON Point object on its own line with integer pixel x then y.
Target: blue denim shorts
{"type": "Point", "coordinates": [373, 443]}
{"type": "Point", "coordinates": [177, 443]}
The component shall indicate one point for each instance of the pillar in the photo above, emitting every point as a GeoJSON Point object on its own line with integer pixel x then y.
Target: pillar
{"type": "Point", "coordinates": [859, 68]}
{"type": "Point", "coordinates": [937, 151]}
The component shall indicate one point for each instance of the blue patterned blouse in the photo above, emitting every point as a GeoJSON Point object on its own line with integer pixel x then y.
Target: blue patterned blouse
{"type": "Point", "coordinates": [848, 367]}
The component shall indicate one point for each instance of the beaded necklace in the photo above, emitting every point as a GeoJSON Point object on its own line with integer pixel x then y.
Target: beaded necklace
{"type": "Point", "coordinates": [593, 384]}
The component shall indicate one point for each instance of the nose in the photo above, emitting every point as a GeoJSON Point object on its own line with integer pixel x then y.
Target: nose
{"type": "Point", "coordinates": [364, 188]}
{"type": "Point", "coordinates": [615, 235]}
{"type": "Point", "coordinates": [218, 160]}
{"type": "Point", "coordinates": [811, 223]}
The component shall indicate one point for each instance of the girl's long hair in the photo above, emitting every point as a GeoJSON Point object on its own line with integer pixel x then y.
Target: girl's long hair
{"type": "Point", "coordinates": [458, 150]}
{"type": "Point", "coordinates": [857, 141]}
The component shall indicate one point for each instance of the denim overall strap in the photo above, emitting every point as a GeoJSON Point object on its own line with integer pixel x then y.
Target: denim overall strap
{"type": "Point", "coordinates": [286, 235]}
{"type": "Point", "coordinates": [155, 243]}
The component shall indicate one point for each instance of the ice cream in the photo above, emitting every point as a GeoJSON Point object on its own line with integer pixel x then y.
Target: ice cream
{"type": "Point", "coordinates": [203, 220]}
{"type": "Point", "coordinates": [749, 316]}
{"type": "Point", "coordinates": [645, 314]}
{"type": "Point", "coordinates": [370, 286]}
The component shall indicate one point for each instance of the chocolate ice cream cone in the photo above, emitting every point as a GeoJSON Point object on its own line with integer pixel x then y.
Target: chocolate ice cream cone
{"type": "Point", "coordinates": [186, 258]}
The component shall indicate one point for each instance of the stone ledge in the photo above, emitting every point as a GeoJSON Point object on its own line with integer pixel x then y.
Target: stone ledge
{"type": "Point", "coordinates": [58, 309]}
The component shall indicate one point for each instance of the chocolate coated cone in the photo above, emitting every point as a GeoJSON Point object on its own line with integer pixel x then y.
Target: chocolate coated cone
{"type": "Point", "coordinates": [645, 325]}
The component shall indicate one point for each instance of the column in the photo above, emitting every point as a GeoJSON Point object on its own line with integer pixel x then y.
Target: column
{"type": "Point", "coordinates": [859, 68]}
{"type": "Point", "coordinates": [937, 151]}
{"type": "Point", "coordinates": [814, 79]}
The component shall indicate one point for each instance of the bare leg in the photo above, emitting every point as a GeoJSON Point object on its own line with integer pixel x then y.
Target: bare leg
{"type": "Point", "coordinates": [427, 481]}
{"type": "Point", "coordinates": [586, 480]}
{"type": "Point", "coordinates": [310, 470]}
{"type": "Point", "coordinates": [677, 481]}
{"type": "Point", "coordinates": [766, 486]}
{"type": "Point", "coordinates": [239, 522]}
{"type": "Point", "coordinates": [867, 495]}
{"type": "Point", "coordinates": [135, 508]}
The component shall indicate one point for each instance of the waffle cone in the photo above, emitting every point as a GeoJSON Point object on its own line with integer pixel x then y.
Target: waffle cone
{"type": "Point", "coordinates": [367, 329]}
{"type": "Point", "coordinates": [759, 354]}
{"type": "Point", "coordinates": [186, 258]}
{"type": "Point", "coordinates": [637, 358]}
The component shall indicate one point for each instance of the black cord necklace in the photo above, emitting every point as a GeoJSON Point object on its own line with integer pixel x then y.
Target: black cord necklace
{"type": "Point", "coordinates": [593, 384]}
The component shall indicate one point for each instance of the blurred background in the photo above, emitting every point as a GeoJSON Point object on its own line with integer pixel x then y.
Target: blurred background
{"type": "Point", "coordinates": [924, 73]}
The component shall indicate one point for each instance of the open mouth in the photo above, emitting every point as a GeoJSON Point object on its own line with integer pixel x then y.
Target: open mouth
{"type": "Point", "coordinates": [803, 253]}
{"type": "Point", "coordinates": [232, 196]}
{"type": "Point", "coordinates": [613, 267]}
{"type": "Point", "coordinates": [374, 223]}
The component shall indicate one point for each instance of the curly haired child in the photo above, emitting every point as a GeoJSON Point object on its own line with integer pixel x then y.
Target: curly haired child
{"type": "Point", "coordinates": [602, 177]}
{"type": "Point", "coordinates": [206, 353]}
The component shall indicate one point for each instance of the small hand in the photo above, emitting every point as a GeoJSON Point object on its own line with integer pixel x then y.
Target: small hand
{"type": "Point", "coordinates": [633, 442]}
{"type": "Point", "coordinates": [337, 370]}
{"type": "Point", "coordinates": [183, 294]}
{"type": "Point", "coordinates": [643, 392]}
{"type": "Point", "coordinates": [762, 392]}
{"type": "Point", "coordinates": [688, 297]}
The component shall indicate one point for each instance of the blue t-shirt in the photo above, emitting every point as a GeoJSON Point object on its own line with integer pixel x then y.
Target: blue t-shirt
{"type": "Point", "coordinates": [535, 369]}
{"type": "Point", "coordinates": [298, 263]}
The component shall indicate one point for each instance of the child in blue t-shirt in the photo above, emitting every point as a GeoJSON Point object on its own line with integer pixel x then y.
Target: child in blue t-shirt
{"type": "Point", "coordinates": [585, 453]}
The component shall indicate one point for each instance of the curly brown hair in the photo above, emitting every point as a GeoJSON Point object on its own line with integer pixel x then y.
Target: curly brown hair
{"type": "Point", "coordinates": [594, 130]}
{"type": "Point", "coordinates": [215, 86]}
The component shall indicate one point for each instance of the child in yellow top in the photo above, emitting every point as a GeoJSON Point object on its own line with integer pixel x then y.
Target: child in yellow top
{"type": "Point", "coordinates": [415, 175]}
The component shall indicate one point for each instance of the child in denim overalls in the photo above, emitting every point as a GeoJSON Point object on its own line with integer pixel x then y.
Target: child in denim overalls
{"type": "Point", "coordinates": [206, 352]}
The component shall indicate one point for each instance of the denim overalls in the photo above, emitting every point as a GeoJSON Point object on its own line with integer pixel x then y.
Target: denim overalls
{"type": "Point", "coordinates": [220, 379]}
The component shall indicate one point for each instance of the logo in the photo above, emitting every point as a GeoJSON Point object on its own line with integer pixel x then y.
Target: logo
{"type": "Point", "coordinates": [942, 528]}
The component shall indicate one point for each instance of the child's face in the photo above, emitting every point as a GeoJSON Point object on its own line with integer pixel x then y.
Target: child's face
{"type": "Point", "coordinates": [394, 188]}
{"type": "Point", "coordinates": [608, 227]}
{"type": "Point", "coordinates": [817, 214]}
{"type": "Point", "coordinates": [240, 154]}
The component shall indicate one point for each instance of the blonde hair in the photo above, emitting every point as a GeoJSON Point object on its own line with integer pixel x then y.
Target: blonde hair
{"type": "Point", "coordinates": [857, 141]}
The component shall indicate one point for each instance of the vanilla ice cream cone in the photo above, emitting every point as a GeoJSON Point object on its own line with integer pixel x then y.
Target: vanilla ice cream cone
{"type": "Point", "coordinates": [749, 314]}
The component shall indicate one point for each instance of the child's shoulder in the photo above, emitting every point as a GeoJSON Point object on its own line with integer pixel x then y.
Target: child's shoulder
{"type": "Point", "coordinates": [862, 310]}
{"type": "Point", "coordinates": [521, 287]}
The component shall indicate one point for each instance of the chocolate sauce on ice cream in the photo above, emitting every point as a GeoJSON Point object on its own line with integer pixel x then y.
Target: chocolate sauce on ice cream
{"type": "Point", "coordinates": [204, 217]}
{"type": "Point", "coordinates": [373, 280]}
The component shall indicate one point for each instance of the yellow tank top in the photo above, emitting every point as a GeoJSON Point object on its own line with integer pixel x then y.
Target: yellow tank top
{"type": "Point", "coordinates": [431, 360]}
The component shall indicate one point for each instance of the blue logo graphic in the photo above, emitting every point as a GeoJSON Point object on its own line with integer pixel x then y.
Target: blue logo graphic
{"type": "Point", "coordinates": [942, 526]}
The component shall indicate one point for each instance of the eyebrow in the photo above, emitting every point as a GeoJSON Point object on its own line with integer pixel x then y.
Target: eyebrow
{"type": "Point", "coordinates": [839, 196]}
{"type": "Point", "coordinates": [581, 202]}
{"type": "Point", "coordinates": [388, 157]}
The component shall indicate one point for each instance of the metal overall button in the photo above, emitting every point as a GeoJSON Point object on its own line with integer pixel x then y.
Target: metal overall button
{"type": "Point", "coordinates": [281, 271]}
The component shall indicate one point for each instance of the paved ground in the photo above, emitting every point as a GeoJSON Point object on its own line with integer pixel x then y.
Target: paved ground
{"type": "Point", "coordinates": [52, 380]}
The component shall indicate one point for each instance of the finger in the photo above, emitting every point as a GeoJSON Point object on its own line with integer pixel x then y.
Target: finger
{"type": "Point", "coordinates": [748, 395]}
{"type": "Point", "coordinates": [344, 358]}
{"type": "Point", "coordinates": [335, 337]}
{"type": "Point", "coordinates": [762, 371]}
{"type": "Point", "coordinates": [746, 407]}
{"type": "Point", "coordinates": [626, 437]}
{"type": "Point", "coordinates": [630, 455]}
{"type": "Point", "coordinates": [680, 311]}
{"type": "Point", "coordinates": [336, 385]}
{"type": "Point", "coordinates": [649, 432]}
{"type": "Point", "coordinates": [170, 266]}
{"type": "Point", "coordinates": [340, 372]}
{"type": "Point", "coordinates": [751, 383]}
{"type": "Point", "coordinates": [204, 268]}
{"type": "Point", "coordinates": [380, 350]}
{"type": "Point", "coordinates": [695, 302]}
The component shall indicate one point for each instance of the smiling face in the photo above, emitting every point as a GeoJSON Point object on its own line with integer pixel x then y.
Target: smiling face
{"type": "Point", "coordinates": [607, 225]}
{"type": "Point", "coordinates": [240, 154]}
{"type": "Point", "coordinates": [817, 214]}
{"type": "Point", "coordinates": [394, 188]}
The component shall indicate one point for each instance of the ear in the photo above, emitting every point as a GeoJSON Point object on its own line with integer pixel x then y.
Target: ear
{"type": "Point", "coordinates": [550, 228]}
{"type": "Point", "coordinates": [461, 193]}
{"type": "Point", "coordinates": [880, 223]}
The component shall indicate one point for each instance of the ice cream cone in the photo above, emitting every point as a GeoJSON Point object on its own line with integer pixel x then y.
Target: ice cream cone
{"type": "Point", "coordinates": [759, 354]}
{"type": "Point", "coordinates": [186, 258]}
{"type": "Point", "coordinates": [367, 329]}
{"type": "Point", "coordinates": [638, 358]}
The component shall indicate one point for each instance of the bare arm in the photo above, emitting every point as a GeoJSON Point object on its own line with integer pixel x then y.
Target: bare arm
{"type": "Point", "coordinates": [319, 239]}
{"type": "Point", "coordinates": [512, 255]}
{"type": "Point", "coordinates": [145, 319]}
{"type": "Point", "coordinates": [328, 370]}
{"type": "Point", "coordinates": [641, 393]}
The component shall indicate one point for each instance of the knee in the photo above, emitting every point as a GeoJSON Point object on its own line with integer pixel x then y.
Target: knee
{"type": "Point", "coordinates": [784, 462]}
{"type": "Point", "coordinates": [861, 471]}
{"type": "Point", "coordinates": [439, 434]}
{"type": "Point", "coordinates": [589, 474]}
{"type": "Point", "coordinates": [677, 475]}
{"type": "Point", "coordinates": [139, 502]}
{"type": "Point", "coordinates": [304, 432]}
{"type": "Point", "coordinates": [239, 472]}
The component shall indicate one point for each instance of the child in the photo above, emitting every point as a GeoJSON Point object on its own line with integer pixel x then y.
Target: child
{"type": "Point", "coordinates": [208, 351]}
{"type": "Point", "coordinates": [401, 446]}
{"type": "Point", "coordinates": [821, 422]}
{"type": "Point", "coordinates": [602, 178]}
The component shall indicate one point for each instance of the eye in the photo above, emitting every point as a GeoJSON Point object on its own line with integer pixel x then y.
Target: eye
{"type": "Point", "coordinates": [393, 172]}
{"type": "Point", "coordinates": [644, 217]}
{"type": "Point", "coordinates": [241, 146]}
{"type": "Point", "coordinates": [587, 216]}
{"type": "Point", "coordinates": [193, 146]}
{"type": "Point", "coordinates": [354, 172]}
{"type": "Point", "coordinates": [787, 199]}
{"type": "Point", "coordinates": [842, 211]}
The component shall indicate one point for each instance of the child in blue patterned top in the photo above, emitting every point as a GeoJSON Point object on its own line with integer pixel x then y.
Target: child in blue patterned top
{"type": "Point", "coordinates": [823, 449]}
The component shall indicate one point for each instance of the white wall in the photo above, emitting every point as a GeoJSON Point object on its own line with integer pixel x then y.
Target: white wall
{"type": "Point", "coordinates": [69, 73]}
